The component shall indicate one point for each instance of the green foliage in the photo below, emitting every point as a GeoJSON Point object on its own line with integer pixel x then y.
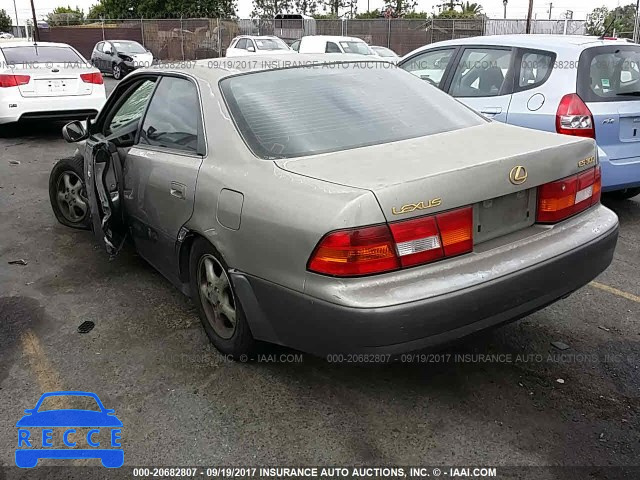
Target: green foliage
{"type": "Point", "coordinates": [163, 9]}
{"type": "Point", "coordinates": [620, 19]}
{"type": "Point", "coordinates": [5, 21]}
{"type": "Point", "coordinates": [468, 10]}
{"type": "Point", "coordinates": [65, 16]}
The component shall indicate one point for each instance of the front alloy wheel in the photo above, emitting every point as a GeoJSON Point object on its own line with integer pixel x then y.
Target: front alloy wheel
{"type": "Point", "coordinates": [68, 193]}
{"type": "Point", "coordinates": [117, 71]}
{"type": "Point", "coordinates": [72, 197]}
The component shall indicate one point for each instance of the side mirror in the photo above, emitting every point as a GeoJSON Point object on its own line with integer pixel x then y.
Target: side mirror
{"type": "Point", "coordinates": [251, 49]}
{"type": "Point", "coordinates": [108, 51]}
{"type": "Point", "coordinates": [74, 132]}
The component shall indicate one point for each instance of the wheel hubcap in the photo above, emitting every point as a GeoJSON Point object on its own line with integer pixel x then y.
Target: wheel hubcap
{"type": "Point", "coordinates": [216, 296]}
{"type": "Point", "coordinates": [72, 197]}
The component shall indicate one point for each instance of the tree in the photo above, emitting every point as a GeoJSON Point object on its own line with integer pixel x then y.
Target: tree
{"type": "Point", "coordinates": [65, 16]}
{"type": "Point", "coordinates": [5, 21]}
{"type": "Point", "coordinates": [306, 7]}
{"type": "Point", "coordinates": [270, 8]}
{"type": "Point", "coordinates": [596, 21]}
{"type": "Point", "coordinates": [620, 19]}
{"type": "Point", "coordinates": [398, 8]}
{"type": "Point", "coordinates": [472, 9]}
{"type": "Point", "coordinates": [163, 8]}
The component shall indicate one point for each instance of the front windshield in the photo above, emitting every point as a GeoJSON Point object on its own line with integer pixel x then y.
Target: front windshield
{"type": "Point", "coordinates": [270, 44]}
{"type": "Point", "coordinates": [129, 47]}
{"type": "Point", "coordinates": [356, 47]}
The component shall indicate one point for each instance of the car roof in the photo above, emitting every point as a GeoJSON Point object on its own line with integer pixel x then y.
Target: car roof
{"type": "Point", "coordinates": [213, 70]}
{"type": "Point", "coordinates": [333, 38]}
{"type": "Point", "coordinates": [258, 37]}
{"type": "Point", "coordinates": [539, 41]}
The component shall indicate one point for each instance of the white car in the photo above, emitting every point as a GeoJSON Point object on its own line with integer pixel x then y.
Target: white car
{"type": "Point", "coordinates": [333, 44]}
{"type": "Point", "coordinates": [47, 80]}
{"type": "Point", "coordinates": [257, 45]}
{"type": "Point", "coordinates": [384, 52]}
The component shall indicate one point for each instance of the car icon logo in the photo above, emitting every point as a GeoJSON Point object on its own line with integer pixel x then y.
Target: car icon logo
{"type": "Point", "coordinates": [82, 433]}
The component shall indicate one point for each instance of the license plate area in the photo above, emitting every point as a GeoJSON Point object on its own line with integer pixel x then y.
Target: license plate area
{"type": "Point", "coordinates": [503, 215]}
{"type": "Point", "coordinates": [630, 129]}
{"type": "Point", "coordinates": [53, 86]}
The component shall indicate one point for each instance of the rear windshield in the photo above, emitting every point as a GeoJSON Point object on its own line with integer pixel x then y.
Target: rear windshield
{"type": "Point", "coordinates": [610, 73]}
{"type": "Point", "coordinates": [33, 54]}
{"type": "Point", "coordinates": [303, 111]}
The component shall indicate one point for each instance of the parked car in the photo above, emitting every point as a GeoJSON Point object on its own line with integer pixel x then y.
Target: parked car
{"type": "Point", "coordinates": [575, 85]}
{"type": "Point", "coordinates": [119, 57]}
{"type": "Point", "coordinates": [335, 220]}
{"type": "Point", "coordinates": [384, 52]}
{"type": "Point", "coordinates": [47, 80]}
{"type": "Point", "coordinates": [257, 45]}
{"type": "Point", "coordinates": [332, 44]}
{"type": "Point", "coordinates": [6, 36]}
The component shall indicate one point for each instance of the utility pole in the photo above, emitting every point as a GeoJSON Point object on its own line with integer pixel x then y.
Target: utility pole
{"type": "Point", "coordinates": [15, 9]}
{"type": "Point", "coordinates": [36, 34]}
{"type": "Point", "coordinates": [550, 9]}
{"type": "Point", "coordinates": [636, 28]}
{"type": "Point", "coordinates": [529, 16]}
{"type": "Point", "coordinates": [504, 3]}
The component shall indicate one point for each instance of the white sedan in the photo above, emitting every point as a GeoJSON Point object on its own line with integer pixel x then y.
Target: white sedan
{"type": "Point", "coordinates": [47, 80]}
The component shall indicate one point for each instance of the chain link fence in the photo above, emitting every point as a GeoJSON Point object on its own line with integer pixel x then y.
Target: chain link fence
{"type": "Point", "coordinates": [198, 38]}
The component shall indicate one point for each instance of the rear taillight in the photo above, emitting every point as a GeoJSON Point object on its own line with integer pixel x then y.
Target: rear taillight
{"type": "Point", "coordinates": [95, 78]}
{"type": "Point", "coordinates": [347, 253]}
{"type": "Point", "coordinates": [7, 80]}
{"type": "Point", "coordinates": [573, 117]}
{"type": "Point", "coordinates": [384, 248]}
{"type": "Point", "coordinates": [566, 197]}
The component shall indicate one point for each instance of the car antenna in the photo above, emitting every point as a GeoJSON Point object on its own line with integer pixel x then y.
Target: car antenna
{"type": "Point", "coordinates": [606, 29]}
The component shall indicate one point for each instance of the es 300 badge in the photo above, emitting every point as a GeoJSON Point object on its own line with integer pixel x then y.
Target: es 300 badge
{"type": "Point", "coordinates": [69, 433]}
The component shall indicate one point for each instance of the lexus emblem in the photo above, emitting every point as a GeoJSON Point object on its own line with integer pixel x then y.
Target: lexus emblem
{"type": "Point", "coordinates": [518, 175]}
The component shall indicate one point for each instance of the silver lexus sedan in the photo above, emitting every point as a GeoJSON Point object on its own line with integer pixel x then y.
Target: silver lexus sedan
{"type": "Point", "coordinates": [296, 207]}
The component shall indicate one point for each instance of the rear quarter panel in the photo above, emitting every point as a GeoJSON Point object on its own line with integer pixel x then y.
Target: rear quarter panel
{"type": "Point", "coordinates": [283, 215]}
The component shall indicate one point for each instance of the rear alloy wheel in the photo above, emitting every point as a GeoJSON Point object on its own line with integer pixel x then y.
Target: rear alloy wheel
{"type": "Point", "coordinates": [218, 306]}
{"type": "Point", "coordinates": [625, 194]}
{"type": "Point", "coordinates": [68, 193]}
{"type": "Point", "coordinates": [116, 70]}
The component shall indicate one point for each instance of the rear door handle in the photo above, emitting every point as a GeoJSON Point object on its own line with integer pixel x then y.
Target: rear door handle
{"type": "Point", "coordinates": [491, 110]}
{"type": "Point", "coordinates": [178, 190]}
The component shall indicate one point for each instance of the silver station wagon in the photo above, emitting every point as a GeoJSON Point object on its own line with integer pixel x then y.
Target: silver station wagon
{"type": "Point", "coordinates": [296, 208]}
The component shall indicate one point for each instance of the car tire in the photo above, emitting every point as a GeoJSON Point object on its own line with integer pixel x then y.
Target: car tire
{"type": "Point", "coordinates": [625, 194]}
{"type": "Point", "coordinates": [214, 295]}
{"type": "Point", "coordinates": [68, 193]}
{"type": "Point", "coordinates": [116, 71]}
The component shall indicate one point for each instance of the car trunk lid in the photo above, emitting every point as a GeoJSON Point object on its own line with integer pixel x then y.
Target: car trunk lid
{"type": "Point", "coordinates": [55, 80]}
{"type": "Point", "coordinates": [493, 167]}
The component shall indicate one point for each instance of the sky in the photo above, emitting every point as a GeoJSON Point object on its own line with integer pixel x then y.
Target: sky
{"type": "Point", "coordinates": [493, 8]}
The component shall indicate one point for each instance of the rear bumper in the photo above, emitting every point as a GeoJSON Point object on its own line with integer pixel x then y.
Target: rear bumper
{"type": "Point", "coordinates": [283, 316]}
{"type": "Point", "coordinates": [619, 174]}
{"type": "Point", "coordinates": [59, 108]}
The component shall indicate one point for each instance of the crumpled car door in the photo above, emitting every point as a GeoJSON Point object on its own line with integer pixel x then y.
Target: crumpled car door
{"type": "Point", "coordinates": [104, 179]}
